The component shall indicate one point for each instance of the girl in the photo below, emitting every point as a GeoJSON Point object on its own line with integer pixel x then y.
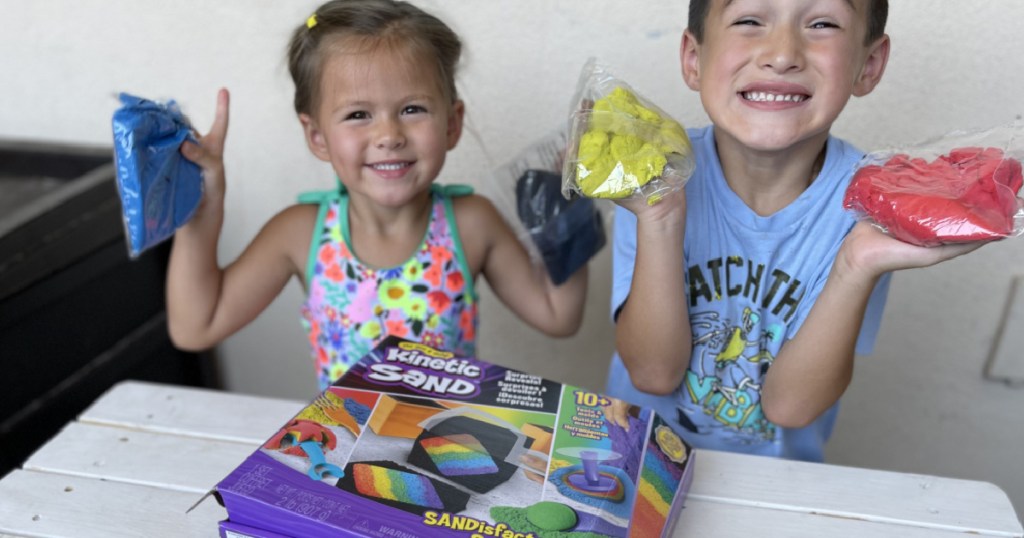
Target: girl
{"type": "Point", "coordinates": [388, 252]}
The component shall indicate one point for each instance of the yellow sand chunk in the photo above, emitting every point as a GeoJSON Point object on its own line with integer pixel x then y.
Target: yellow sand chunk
{"type": "Point", "coordinates": [625, 146]}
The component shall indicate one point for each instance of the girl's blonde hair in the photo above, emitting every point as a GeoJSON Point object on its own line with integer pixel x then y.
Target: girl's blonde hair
{"type": "Point", "coordinates": [374, 23]}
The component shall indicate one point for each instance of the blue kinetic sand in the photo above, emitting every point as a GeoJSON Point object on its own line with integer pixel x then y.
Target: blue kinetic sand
{"type": "Point", "coordinates": [567, 233]}
{"type": "Point", "coordinates": [159, 188]}
{"type": "Point", "coordinates": [357, 410]}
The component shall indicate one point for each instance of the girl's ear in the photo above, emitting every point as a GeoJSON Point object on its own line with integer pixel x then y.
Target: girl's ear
{"type": "Point", "coordinates": [689, 60]}
{"type": "Point", "coordinates": [874, 67]}
{"type": "Point", "coordinates": [455, 118]}
{"type": "Point", "coordinates": [314, 138]}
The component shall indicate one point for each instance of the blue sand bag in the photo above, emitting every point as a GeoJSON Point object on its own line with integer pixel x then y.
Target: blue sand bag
{"type": "Point", "coordinates": [568, 233]}
{"type": "Point", "coordinates": [159, 188]}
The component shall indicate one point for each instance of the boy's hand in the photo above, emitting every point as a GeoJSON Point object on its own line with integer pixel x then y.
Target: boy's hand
{"type": "Point", "coordinates": [617, 412]}
{"type": "Point", "coordinates": [535, 467]}
{"type": "Point", "coordinates": [867, 248]}
{"type": "Point", "coordinates": [209, 153]}
{"type": "Point", "coordinates": [671, 207]}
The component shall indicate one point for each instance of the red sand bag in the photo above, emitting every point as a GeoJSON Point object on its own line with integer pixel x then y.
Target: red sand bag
{"type": "Point", "coordinates": [965, 194]}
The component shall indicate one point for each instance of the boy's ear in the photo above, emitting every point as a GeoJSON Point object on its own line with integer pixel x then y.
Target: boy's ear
{"type": "Point", "coordinates": [689, 60]}
{"type": "Point", "coordinates": [874, 67]}
{"type": "Point", "coordinates": [314, 138]}
{"type": "Point", "coordinates": [455, 118]}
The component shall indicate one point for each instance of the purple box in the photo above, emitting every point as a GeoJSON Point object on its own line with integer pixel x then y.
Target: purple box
{"type": "Point", "coordinates": [416, 442]}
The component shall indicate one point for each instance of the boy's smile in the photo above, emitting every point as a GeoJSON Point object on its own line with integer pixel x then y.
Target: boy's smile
{"type": "Point", "coordinates": [774, 75]}
{"type": "Point", "coordinates": [773, 95]}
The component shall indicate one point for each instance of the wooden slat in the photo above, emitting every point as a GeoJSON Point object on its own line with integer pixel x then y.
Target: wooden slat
{"type": "Point", "coordinates": [56, 506]}
{"type": "Point", "coordinates": [44, 505]}
{"type": "Point", "coordinates": [155, 459]}
{"type": "Point", "coordinates": [191, 411]}
{"type": "Point", "coordinates": [178, 423]}
{"type": "Point", "coordinates": [847, 492]}
{"type": "Point", "coordinates": [717, 520]}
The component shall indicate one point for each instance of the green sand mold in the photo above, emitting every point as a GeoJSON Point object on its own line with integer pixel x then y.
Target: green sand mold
{"type": "Point", "coordinates": [516, 518]}
{"type": "Point", "coordinates": [551, 516]}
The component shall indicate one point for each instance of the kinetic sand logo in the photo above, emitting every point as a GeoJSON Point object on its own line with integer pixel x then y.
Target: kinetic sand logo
{"type": "Point", "coordinates": [480, 529]}
{"type": "Point", "coordinates": [427, 370]}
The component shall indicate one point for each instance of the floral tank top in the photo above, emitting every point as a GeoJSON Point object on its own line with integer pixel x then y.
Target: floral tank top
{"type": "Point", "coordinates": [350, 307]}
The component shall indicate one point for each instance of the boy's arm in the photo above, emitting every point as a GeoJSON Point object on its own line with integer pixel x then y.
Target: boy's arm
{"type": "Point", "coordinates": [652, 332]}
{"type": "Point", "coordinates": [520, 284]}
{"type": "Point", "coordinates": [813, 369]}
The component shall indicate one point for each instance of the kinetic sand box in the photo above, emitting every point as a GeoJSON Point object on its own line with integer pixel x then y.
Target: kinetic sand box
{"type": "Point", "coordinates": [415, 442]}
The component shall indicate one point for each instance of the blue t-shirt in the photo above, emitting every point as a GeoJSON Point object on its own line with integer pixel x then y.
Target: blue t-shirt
{"type": "Point", "coordinates": [751, 282]}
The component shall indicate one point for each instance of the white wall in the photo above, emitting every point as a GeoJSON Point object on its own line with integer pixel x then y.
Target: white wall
{"type": "Point", "coordinates": [919, 404]}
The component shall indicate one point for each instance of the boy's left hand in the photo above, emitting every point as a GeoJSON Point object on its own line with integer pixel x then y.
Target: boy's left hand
{"type": "Point", "coordinates": [870, 249]}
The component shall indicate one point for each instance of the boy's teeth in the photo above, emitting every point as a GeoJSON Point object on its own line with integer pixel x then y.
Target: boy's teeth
{"type": "Point", "coordinates": [389, 166]}
{"type": "Point", "coordinates": [770, 97]}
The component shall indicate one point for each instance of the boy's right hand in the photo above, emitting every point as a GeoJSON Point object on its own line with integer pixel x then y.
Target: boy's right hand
{"type": "Point", "coordinates": [670, 209]}
{"type": "Point", "coordinates": [209, 152]}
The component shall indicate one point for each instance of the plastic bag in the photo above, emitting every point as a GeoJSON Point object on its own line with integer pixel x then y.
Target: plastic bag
{"type": "Point", "coordinates": [959, 188]}
{"type": "Point", "coordinates": [622, 145]}
{"type": "Point", "coordinates": [563, 234]}
{"type": "Point", "coordinates": [159, 188]}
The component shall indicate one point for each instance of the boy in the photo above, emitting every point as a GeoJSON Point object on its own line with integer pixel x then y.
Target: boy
{"type": "Point", "coordinates": [750, 342]}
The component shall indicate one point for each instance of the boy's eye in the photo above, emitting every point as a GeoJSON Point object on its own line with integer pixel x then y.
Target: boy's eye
{"type": "Point", "coordinates": [357, 115]}
{"type": "Point", "coordinates": [819, 25]}
{"type": "Point", "coordinates": [747, 22]}
{"type": "Point", "coordinates": [413, 109]}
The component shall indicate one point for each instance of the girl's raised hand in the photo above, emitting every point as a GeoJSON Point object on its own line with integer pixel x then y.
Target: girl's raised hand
{"type": "Point", "coordinates": [209, 152]}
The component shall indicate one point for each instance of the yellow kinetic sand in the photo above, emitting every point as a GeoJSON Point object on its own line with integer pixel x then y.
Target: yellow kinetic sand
{"type": "Point", "coordinates": [626, 145]}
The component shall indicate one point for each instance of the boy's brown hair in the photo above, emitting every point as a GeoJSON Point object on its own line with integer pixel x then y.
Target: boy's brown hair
{"type": "Point", "coordinates": [878, 13]}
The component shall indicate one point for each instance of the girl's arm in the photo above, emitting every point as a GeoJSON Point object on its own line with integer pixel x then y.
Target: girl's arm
{"type": "Point", "coordinates": [205, 303]}
{"type": "Point", "coordinates": [652, 332]}
{"type": "Point", "coordinates": [493, 249]}
{"type": "Point", "coordinates": [813, 369]}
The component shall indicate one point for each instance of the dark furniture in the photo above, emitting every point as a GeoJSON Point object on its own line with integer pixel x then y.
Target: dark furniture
{"type": "Point", "coordinates": [76, 314]}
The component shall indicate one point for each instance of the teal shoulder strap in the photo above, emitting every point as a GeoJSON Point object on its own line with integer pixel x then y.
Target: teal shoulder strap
{"type": "Point", "coordinates": [324, 199]}
{"type": "Point", "coordinates": [453, 190]}
{"type": "Point", "coordinates": [448, 192]}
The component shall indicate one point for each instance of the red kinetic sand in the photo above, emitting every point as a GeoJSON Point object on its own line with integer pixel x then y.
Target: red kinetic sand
{"type": "Point", "coordinates": [966, 195]}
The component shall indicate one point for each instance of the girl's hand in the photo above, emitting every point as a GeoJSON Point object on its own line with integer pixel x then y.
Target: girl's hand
{"type": "Point", "coordinates": [209, 153]}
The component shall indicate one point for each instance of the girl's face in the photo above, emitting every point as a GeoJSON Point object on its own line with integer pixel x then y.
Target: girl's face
{"type": "Point", "coordinates": [383, 122]}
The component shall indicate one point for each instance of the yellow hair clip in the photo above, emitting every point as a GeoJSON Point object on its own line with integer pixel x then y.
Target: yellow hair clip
{"type": "Point", "coordinates": [311, 21]}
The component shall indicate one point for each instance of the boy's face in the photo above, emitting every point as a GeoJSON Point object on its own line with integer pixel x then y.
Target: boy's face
{"type": "Point", "coordinates": [773, 74]}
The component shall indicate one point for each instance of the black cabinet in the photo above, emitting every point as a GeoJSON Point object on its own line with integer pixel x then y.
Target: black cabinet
{"type": "Point", "coordinates": [76, 314]}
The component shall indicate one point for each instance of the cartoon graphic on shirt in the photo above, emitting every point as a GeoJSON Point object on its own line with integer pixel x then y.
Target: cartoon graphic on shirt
{"type": "Point", "coordinates": [730, 359]}
{"type": "Point", "coordinates": [722, 387]}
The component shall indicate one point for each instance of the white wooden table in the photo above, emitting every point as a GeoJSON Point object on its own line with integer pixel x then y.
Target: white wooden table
{"type": "Point", "coordinates": [143, 454]}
